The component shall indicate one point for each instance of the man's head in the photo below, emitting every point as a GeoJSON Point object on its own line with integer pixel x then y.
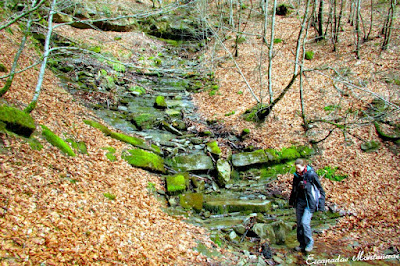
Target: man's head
{"type": "Point", "coordinates": [300, 164]}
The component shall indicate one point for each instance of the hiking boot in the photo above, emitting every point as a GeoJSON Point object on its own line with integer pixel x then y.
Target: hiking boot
{"type": "Point", "coordinates": [298, 248]}
{"type": "Point", "coordinates": [308, 248]}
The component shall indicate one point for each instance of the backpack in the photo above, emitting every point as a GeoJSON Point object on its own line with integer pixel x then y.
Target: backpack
{"type": "Point", "coordinates": [318, 198]}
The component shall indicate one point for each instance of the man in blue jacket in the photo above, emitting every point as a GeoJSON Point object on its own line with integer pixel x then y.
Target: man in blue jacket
{"type": "Point", "coordinates": [303, 199]}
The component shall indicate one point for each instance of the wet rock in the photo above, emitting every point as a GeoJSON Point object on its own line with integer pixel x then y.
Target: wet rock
{"type": "Point", "coordinates": [171, 129]}
{"type": "Point", "coordinates": [224, 172]}
{"type": "Point", "coordinates": [192, 162]}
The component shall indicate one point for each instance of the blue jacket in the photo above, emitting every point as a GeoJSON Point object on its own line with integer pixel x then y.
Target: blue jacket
{"type": "Point", "coordinates": [309, 178]}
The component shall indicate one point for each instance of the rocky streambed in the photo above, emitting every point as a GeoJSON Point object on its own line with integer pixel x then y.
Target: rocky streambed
{"type": "Point", "coordinates": [228, 193]}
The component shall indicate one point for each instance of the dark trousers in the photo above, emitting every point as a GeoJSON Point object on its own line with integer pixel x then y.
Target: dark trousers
{"type": "Point", "coordinates": [304, 232]}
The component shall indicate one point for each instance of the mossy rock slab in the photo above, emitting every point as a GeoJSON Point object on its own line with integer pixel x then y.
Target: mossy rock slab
{"type": "Point", "coordinates": [144, 159]}
{"type": "Point", "coordinates": [221, 206]}
{"type": "Point", "coordinates": [17, 121]}
{"type": "Point", "coordinates": [244, 159]}
{"type": "Point", "coordinates": [56, 141]}
{"type": "Point", "coordinates": [192, 201]}
{"type": "Point", "coordinates": [193, 162]}
{"type": "Point", "coordinates": [177, 183]}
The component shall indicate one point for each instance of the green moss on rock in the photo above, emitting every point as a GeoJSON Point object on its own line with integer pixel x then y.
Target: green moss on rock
{"type": "Point", "coordinates": [56, 141]}
{"type": "Point", "coordinates": [146, 160]}
{"type": "Point", "coordinates": [99, 126]}
{"type": "Point", "coordinates": [79, 146]}
{"type": "Point", "coordinates": [289, 154]}
{"type": "Point", "coordinates": [177, 183]}
{"type": "Point", "coordinates": [17, 121]}
{"type": "Point", "coordinates": [160, 102]}
{"type": "Point", "coordinates": [213, 148]}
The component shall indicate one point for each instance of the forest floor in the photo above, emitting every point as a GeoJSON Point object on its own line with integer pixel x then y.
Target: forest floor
{"type": "Point", "coordinates": [53, 209]}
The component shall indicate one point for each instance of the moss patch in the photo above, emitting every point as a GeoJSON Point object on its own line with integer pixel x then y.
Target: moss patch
{"type": "Point", "coordinates": [17, 121]}
{"type": "Point", "coordinates": [213, 148]}
{"type": "Point", "coordinates": [160, 102]}
{"type": "Point", "coordinates": [146, 160]}
{"type": "Point", "coordinates": [56, 141]}
{"type": "Point", "coordinates": [177, 183]}
{"type": "Point", "coordinates": [99, 126]}
{"type": "Point", "coordinates": [134, 141]}
{"type": "Point", "coordinates": [79, 146]}
{"type": "Point", "coordinates": [110, 154]}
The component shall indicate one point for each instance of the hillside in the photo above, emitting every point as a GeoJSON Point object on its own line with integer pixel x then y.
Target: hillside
{"type": "Point", "coordinates": [53, 208]}
{"type": "Point", "coordinates": [56, 209]}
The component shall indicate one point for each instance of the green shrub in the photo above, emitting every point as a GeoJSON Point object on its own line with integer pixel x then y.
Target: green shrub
{"type": "Point", "coordinates": [278, 41]}
{"type": "Point", "coordinates": [330, 173]}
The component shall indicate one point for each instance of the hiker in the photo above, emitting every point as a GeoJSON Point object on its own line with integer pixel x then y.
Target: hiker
{"type": "Point", "coordinates": [307, 196]}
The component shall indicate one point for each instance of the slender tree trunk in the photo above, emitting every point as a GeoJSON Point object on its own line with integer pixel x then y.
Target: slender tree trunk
{"type": "Point", "coordinates": [9, 81]}
{"type": "Point", "coordinates": [371, 22]}
{"type": "Point", "coordinates": [271, 53]}
{"type": "Point", "coordinates": [238, 34]}
{"type": "Point", "coordinates": [303, 114]}
{"type": "Point", "coordinates": [46, 53]}
{"type": "Point", "coordinates": [358, 31]}
{"type": "Point", "coordinates": [266, 2]}
{"type": "Point", "coordinates": [387, 28]}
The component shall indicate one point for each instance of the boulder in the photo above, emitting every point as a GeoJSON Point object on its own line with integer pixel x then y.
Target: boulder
{"type": "Point", "coordinates": [192, 162]}
{"type": "Point", "coordinates": [17, 121]}
{"type": "Point", "coordinates": [275, 232]}
{"type": "Point", "coordinates": [264, 231]}
{"type": "Point", "coordinates": [146, 160]}
{"type": "Point", "coordinates": [224, 172]}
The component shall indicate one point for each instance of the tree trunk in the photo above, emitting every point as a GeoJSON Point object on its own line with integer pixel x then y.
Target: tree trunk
{"type": "Point", "coordinates": [46, 53]}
